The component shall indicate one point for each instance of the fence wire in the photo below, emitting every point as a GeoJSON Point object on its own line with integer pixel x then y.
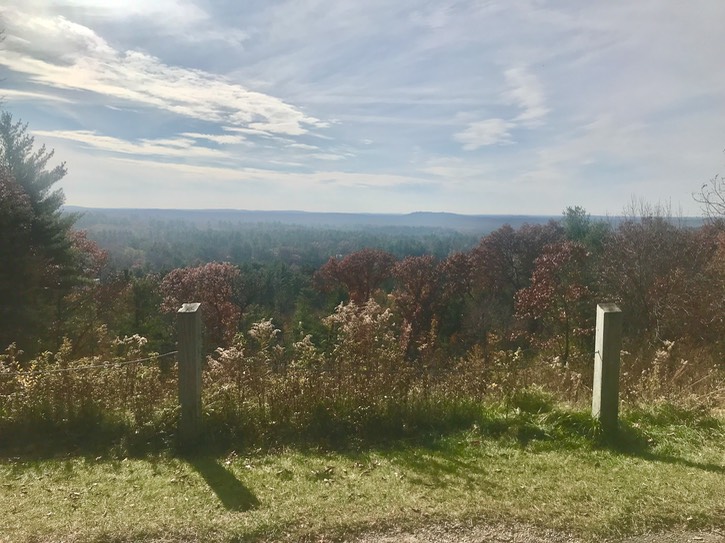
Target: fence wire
{"type": "Point", "coordinates": [105, 365]}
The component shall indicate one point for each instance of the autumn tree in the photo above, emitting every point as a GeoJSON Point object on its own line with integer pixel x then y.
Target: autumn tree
{"type": "Point", "coordinates": [558, 297]}
{"type": "Point", "coordinates": [687, 297]}
{"type": "Point", "coordinates": [81, 309]}
{"type": "Point", "coordinates": [360, 273]}
{"type": "Point", "coordinates": [101, 303]}
{"type": "Point", "coordinates": [501, 265]}
{"type": "Point", "coordinates": [418, 295]}
{"type": "Point", "coordinates": [213, 285]}
{"type": "Point", "coordinates": [506, 256]}
{"type": "Point", "coordinates": [457, 286]}
{"type": "Point", "coordinates": [655, 270]}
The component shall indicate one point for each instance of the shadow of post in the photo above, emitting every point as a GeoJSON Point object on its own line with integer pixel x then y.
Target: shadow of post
{"type": "Point", "coordinates": [629, 441]}
{"type": "Point", "coordinates": [230, 491]}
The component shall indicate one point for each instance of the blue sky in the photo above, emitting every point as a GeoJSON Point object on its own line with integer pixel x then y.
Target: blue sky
{"type": "Point", "coordinates": [473, 107]}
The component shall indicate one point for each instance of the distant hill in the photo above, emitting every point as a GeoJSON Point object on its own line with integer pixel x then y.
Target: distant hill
{"type": "Point", "coordinates": [215, 218]}
{"type": "Point", "coordinates": [163, 239]}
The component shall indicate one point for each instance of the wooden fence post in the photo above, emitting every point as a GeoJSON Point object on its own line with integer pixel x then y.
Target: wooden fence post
{"type": "Point", "coordinates": [608, 344]}
{"type": "Point", "coordinates": [189, 339]}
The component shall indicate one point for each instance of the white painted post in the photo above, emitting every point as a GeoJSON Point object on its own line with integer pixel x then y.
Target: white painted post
{"type": "Point", "coordinates": [608, 344]}
{"type": "Point", "coordinates": [189, 356]}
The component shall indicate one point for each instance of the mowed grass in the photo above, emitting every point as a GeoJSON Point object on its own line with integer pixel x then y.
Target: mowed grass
{"type": "Point", "coordinates": [666, 471]}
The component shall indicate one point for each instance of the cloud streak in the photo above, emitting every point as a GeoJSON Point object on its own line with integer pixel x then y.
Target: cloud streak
{"type": "Point", "coordinates": [57, 53]}
{"type": "Point", "coordinates": [182, 147]}
{"type": "Point", "coordinates": [525, 92]}
{"type": "Point", "coordinates": [483, 133]}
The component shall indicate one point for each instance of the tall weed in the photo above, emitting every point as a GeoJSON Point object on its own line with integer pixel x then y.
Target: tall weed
{"type": "Point", "coordinates": [360, 387]}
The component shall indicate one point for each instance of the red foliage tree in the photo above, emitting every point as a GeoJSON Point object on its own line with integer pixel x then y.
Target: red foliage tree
{"type": "Point", "coordinates": [658, 272]}
{"type": "Point", "coordinates": [418, 295]}
{"type": "Point", "coordinates": [90, 302]}
{"type": "Point", "coordinates": [457, 287]}
{"type": "Point", "coordinates": [502, 264]}
{"type": "Point", "coordinates": [213, 285]}
{"type": "Point", "coordinates": [688, 300]}
{"type": "Point", "coordinates": [558, 295]}
{"type": "Point", "coordinates": [90, 258]}
{"type": "Point", "coordinates": [505, 258]}
{"type": "Point", "coordinates": [360, 273]}
{"type": "Point", "coordinates": [458, 274]}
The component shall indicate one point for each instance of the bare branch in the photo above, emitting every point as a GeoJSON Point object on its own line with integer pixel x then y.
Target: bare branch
{"type": "Point", "coordinates": [712, 198]}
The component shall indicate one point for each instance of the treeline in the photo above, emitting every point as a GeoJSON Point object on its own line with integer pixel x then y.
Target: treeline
{"type": "Point", "coordinates": [534, 288]}
{"type": "Point", "coordinates": [162, 245]}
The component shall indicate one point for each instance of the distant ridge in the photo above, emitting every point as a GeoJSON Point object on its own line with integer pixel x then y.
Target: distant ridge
{"type": "Point", "coordinates": [212, 218]}
{"type": "Point", "coordinates": [113, 218]}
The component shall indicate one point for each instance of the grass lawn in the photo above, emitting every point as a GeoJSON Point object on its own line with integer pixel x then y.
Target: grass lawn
{"type": "Point", "coordinates": [670, 473]}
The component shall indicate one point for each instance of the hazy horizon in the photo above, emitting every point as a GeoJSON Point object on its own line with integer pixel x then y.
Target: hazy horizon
{"type": "Point", "coordinates": [242, 210]}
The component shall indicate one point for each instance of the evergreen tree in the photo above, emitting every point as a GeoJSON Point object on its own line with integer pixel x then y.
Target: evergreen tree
{"type": "Point", "coordinates": [37, 268]}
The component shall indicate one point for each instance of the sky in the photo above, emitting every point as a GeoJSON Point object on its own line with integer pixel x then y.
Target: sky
{"type": "Point", "coordinates": [476, 107]}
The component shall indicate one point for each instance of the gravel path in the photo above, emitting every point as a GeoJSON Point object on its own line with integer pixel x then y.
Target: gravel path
{"type": "Point", "coordinates": [457, 533]}
{"type": "Point", "coordinates": [678, 537]}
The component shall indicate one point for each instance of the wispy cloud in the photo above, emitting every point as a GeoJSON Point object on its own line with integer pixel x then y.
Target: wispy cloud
{"type": "Point", "coordinates": [455, 169]}
{"type": "Point", "coordinates": [304, 146]}
{"type": "Point", "coordinates": [169, 147]}
{"type": "Point", "coordinates": [58, 53]}
{"type": "Point", "coordinates": [327, 156]}
{"type": "Point", "coordinates": [183, 19]}
{"type": "Point", "coordinates": [23, 95]}
{"type": "Point", "coordinates": [329, 179]}
{"type": "Point", "coordinates": [221, 139]}
{"type": "Point", "coordinates": [525, 91]}
{"type": "Point", "coordinates": [483, 133]}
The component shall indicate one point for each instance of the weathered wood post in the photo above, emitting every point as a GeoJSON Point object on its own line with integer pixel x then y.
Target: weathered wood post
{"type": "Point", "coordinates": [189, 338]}
{"type": "Point", "coordinates": [608, 344]}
